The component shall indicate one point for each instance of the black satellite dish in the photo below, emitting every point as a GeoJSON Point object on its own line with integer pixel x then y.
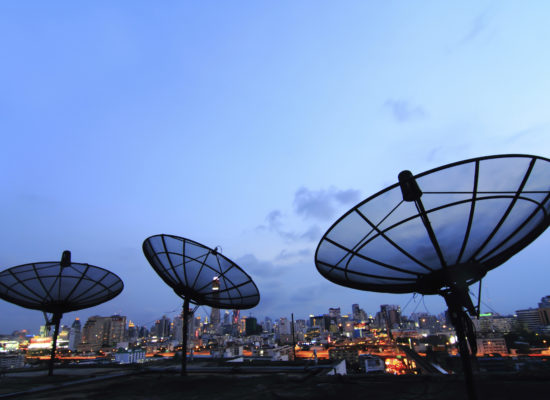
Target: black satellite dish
{"type": "Point", "coordinates": [199, 275]}
{"type": "Point", "coordinates": [440, 231]}
{"type": "Point", "coordinates": [57, 288]}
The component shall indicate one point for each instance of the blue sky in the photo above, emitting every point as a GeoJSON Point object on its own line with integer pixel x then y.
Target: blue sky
{"type": "Point", "coordinates": [252, 125]}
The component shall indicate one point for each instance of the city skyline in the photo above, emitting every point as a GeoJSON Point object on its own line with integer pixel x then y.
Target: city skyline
{"type": "Point", "coordinates": [252, 127]}
{"type": "Point", "coordinates": [416, 306]}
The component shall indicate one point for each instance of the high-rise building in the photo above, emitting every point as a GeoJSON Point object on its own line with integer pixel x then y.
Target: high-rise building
{"type": "Point", "coordinates": [252, 327]}
{"type": "Point", "coordinates": [75, 334]}
{"type": "Point", "coordinates": [335, 315]}
{"type": "Point", "coordinates": [529, 319]}
{"type": "Point", "coordinates": [117, 329]}
{"type": "Point", "coordinates": [358, 314]}
{"type": "Point", "coordinates": [268, 325]}
{"type": "Point", "coordinates": [177, 331]}
{"type": "Point", "coordinates": [162, 327]}
{"type": "Point", "coordinates": [284, 326]}
{"type": "Point", "coordinates": [544, 310]}
{"type": "Point", "coordinates": [226, 317]}
{"type": "Point", "coordinates": [133, 332]}
{"type": "Point", "coordinates": [391, 314]}
{"type": "Point", "coordinates": [101, 332]}
{"type": "Point", "coordinates": [215, 317]}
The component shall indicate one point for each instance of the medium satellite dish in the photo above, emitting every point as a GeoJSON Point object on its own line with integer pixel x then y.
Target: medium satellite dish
{"type": "Point", "coordinates": [440, 231]}
{"type": "Point", "coordinates": [57, 288]}
{"type": "Point", "coordinates": [199, 275]}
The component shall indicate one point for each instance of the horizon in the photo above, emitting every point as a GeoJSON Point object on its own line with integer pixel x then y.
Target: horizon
{"type": "Point", "coordinates": [253, 126]}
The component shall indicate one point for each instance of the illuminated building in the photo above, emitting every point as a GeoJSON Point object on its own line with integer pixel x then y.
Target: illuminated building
{"type": "Point", "coordinates": [101, 332]}
{"type": "Point", "coordinates": [391, 314]}
{"type": "Point", "coordinates": [162, 327]}
{"type": "Point", "coordinates": [320, 321]}
{"type": "Point", "coordinates": [133, 332]}
{"type": "Point", "coordinates": [357, 313]}
{"type": "Point", "coordinates": [334, 314]}
{"type": "Point", "coordinates": [350, 354]}
{"type": "Point", "coordinates": [130, 356]}
{"type": "Point", "coordinates": [491, 346]}
{"type": "Point", "coordinates": [75, 335]}
{"type": "Point", "coordinates": [226, 318]}
{"type": "Point", "coordinates": [490, 323]}
{"type": "Point", "coordinates": [8, 345]}
{"type": "Point", "coordinates": [215, 313]}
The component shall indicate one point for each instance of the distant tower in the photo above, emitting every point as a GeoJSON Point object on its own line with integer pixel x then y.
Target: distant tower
{"type": "Point", "coordinates": [162, 327]}
{"type": "Point", "coordinates": [75, 335]}
{"type": "Point", "coordinates": [226, 318]}
{"type": "Point", "coordinates": [392, 314]}
{"type": "Point", "coordinates": [177, 333]}
{"type": "Point", "coordinates": [132, 332]}
{"type": "Point", "coordinates": [356, 312]}
{"type": "Point", "coordinates": [335, 315]}
{"type": "Point", "coordinates": [215, 314]}
{"type": "Point", "coordinates": [236, 317]}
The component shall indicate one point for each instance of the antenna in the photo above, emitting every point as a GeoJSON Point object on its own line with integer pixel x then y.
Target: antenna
{"type": "Point", "coordinates": [440, 231]}
{"type": "Point", "coordinates": [57, 288]}
{"type": "Point", "coordinates": [199, 275]}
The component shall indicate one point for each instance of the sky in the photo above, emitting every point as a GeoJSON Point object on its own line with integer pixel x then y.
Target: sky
{"type": "Point", "coordinates": [252, 125]}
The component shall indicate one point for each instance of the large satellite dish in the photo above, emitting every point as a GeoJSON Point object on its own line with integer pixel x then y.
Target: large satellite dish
{"type": "Point", "coordinates": [199, 275]}
{"type": "Point", "coordinates": [440, 231]}
{"type": "Point", "coordinates": [57, 288]}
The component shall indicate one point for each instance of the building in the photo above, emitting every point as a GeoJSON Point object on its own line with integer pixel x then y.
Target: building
{"type": "Point", "coordinates": [215, 317]}
{"type": "Point", "coordinates": [100, 332]}
{"type": "Point", "coordinates": [492, 323]}
{"type": "Point", "coordinates": [544, 311]}
{"type": "Point", "coordinates": [11, 361]}
{"type": "Point", "coordinates": [75, 335]}
{"type": "Point", "coordinates": [491, 346]}
{"type": "Point", "coordinates": [131, 356]}
{"type": "Point", "coordinates": [133, 332]}
{"type": "Point", "coordinates": [335, 314]}
{"type": "Point", "coordinates": [162, 327]}
{"type": "Point", "coordinates": [177, 328]}
{"type": "Point", "coordinates": [358, 314]}
{"type": "Point", "coordinates": [252, 327]}
{"type": "Point", "coordinates": [391, 314]}
{"type": "Point", "coordinates": [350, 354]}
{"type": "Point", "coordinates": [529, 319]}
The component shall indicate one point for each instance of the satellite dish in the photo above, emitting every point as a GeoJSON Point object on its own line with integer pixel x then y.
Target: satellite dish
{"type": "Point", "coordinates": [199, 275]}
{"type": "Point", "coordinates": [440, 231]}
{"type": "Point", "coordinates": [57, 288]}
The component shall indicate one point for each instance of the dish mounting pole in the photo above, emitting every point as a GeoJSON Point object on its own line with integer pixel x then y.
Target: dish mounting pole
{"type": "Point", "coordinates": [184, 337]}
{"type": "Point", "coordinates": [56, 319]}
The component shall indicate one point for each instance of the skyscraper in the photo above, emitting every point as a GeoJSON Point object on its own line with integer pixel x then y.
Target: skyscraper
{"type": "Point", "coordinates": [101, 332]}
{"type": "Point", "coordinates": [75, 334]}
{"type": "Point", "coordinates": [162, 327]}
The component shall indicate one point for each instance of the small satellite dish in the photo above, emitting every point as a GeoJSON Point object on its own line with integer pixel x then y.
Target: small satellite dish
{"type": "Point", "coordinates": [440, 231]}
{"type": "Point", "coordinates": [57, 288]}
{"type": "Point", "coordinates": [199, 275]}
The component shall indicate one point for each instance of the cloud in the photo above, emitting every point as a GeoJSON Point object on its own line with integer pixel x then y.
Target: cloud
{"type": "Point", "coordinates": [321, 204]}
{"type": "Point", "coordinates": [255, 267]}
{"type": "Point", "coordinates": [274, 224]}
{"type": "Point", "coordinates": [403, 111]}
{"type": "Point", "coordinates": [274, 219]}
{"type": "Point", "coordinates": [285, 255]}
{"type": "Point", "coordinates": [478, 25]}
{"type": "Point", "coordinates": [313, 234]}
